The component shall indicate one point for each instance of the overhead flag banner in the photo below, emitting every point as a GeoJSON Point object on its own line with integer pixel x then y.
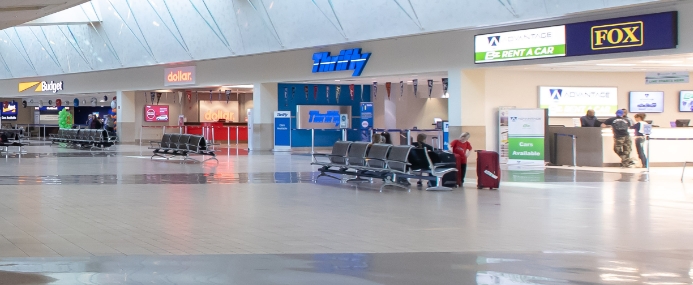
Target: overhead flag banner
{"type": "Point", "coordinates": [388, 87]}
{"type": "Point", "coordinates": [416, 87]}
{"type": "Point", "coordinates": [315, 92]}
{"type": "Point", "coordinates": [445, 87]}
{"type": "Point", "coordinates": [305, 89]}
{"type": "Point", "coordinates": [375, 91]}
{"type": "Point", "coordinates": [327, 93]}
{"type": "Point", "coordinates": [401, 89]}
{"type": "Point", "coordinates": [430, 88]}
{"type": "Point", "coordinates": [337, 92]}
{"type": "Point", "coordinates": [351, 92]}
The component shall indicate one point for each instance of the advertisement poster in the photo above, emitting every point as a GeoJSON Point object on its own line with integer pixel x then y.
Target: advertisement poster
{"type": "Point", "coordinates": [9, 113]}
{"type": "Point", "coordinates": [282, 131]}
{"type": "Point", "coordinates": [503, 133]}
{"type": "Point", "coordinates": [575, 101]}
{"type": "Point", "coordinates": [686, 101]}
{"type": "Point", "coordinates": [520, 45]}
{"type": "Point", "coordinates": [156, 113]}
{"type": "Point", "coordinates": [526, 129]}
{"type": "Point", "coordinates": [366, 121]}
{"type": "Point", "coordinates": [647, 102]}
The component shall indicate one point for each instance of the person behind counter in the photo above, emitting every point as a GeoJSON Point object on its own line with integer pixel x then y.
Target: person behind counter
{"type": "Point", "coordinates": [622, 142]}
{"type": "Point", "coordinates": [640, 138]}
{"type": "Point", "coordinates": [590, 120]}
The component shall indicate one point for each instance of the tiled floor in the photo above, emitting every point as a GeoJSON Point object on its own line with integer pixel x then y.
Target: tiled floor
{"type": "Point", "coordinates": [91, 207]}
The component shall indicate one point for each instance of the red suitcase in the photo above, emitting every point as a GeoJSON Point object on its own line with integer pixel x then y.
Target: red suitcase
{"type": "Point", "coordinates": [488, 169]}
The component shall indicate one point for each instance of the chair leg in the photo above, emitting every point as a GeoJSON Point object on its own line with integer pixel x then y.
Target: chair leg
{"type": "Point", "coordinates": [439, 185]}
{"type": "Point", "coordinates": [684, 170]}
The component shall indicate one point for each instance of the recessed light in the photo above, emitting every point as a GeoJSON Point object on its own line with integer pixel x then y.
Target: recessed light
{"type": "Point", "coordinates": [337, 80]}
{"type": "Point", "coordinates": [615, 64]}
{"type": "Point", "coordinates": [661, 61]}
{"type": "Point", "coordinates": [409, 81]}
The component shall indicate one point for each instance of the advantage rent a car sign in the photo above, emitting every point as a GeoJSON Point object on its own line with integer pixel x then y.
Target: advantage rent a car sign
{"type": "Point", "coordinates": [520, 45]}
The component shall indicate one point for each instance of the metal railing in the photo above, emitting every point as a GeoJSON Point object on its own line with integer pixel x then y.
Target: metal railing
{"type": "Point", "coordinates": [407, 134]}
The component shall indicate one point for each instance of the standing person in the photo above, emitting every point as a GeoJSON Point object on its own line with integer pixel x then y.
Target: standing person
{"type": "Point", "coordinates": [109, 124]}
{"type": "Point", "coordinates": [95, 123]}
{"type": "Point", "coordinates": [589, 120]}
{"type": "Point", "coordinates": [640, 138]}
{"type": "Point", "coordinates": [622, 142]}
{"type": "Point", "coordinates": [462, 149]}
{"type": "Point", "coordinates": [625, 116]}
{"type": "Point", "coordinates": [89, 121]}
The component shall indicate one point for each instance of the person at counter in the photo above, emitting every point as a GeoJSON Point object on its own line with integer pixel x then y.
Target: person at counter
{"type": "Point", "coordinates": [590, 120]}
{"type": "Point", "coordinates": [640, 137]}
{"type": "Point", "coordinates": [622, 142]}
{"type": "Point", "coordinates": [625, 116]}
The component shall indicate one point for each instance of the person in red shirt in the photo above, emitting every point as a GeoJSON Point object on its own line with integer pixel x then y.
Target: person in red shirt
{"type": "Point", "coordinates": [462, 149]}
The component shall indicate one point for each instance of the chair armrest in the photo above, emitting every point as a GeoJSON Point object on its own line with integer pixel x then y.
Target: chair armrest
{"type": "Point", "coordinates": [404, 162]}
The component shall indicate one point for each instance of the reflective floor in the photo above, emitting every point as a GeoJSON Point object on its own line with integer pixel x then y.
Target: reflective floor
{"type": "Point", "coordinates": [118, 217]}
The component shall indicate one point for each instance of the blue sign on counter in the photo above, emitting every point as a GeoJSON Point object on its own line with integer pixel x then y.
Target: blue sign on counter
{"type": "Point", "coordinates": [366, 120]}
{"type": "Point", "coordinates": [282, 131]}
{"type": "Point", "coordinates": [446, 135]}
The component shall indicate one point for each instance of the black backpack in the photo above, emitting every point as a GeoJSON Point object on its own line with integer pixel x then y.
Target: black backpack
{"type": "Point", "coordinates": [3, 138]}
{"type": "Point", "coordinates": [620, 125]}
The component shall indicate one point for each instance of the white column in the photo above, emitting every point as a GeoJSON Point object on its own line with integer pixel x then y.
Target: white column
{"type": "Point", "coordinates": [127, 130]}
{"type": "Point", "coordinates": [467, 106]}
{"type": "Point", "coordinates": [264, 105]}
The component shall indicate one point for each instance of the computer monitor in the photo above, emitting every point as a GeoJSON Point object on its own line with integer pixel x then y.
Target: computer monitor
{"type": "Point", "coordinates": [681, 123]}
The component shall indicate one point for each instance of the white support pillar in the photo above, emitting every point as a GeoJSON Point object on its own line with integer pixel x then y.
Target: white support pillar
{"type": "Point", "coordinates": [264, 105]}
{"type": "Point", "coordinates": [467, 106]}
{"type": "Point", "coordinates": [128, 131]}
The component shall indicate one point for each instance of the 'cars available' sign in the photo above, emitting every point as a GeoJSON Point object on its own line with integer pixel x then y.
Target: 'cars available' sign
{"type": "Point", "coordinates": [184, 75]}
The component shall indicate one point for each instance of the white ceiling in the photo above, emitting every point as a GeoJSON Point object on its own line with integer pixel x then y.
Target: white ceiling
{"type": "Point", "coordinates": [680, 62]}
{"type": "Point", "coordinates": [17, 12]}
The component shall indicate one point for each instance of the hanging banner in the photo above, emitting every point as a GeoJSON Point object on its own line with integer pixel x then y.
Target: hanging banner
{"type": "Point", "coordinates": [445, 87]}
{"type": "Point", "coordinates": [158, 98]}
{"type": "Point", "coordinates": [315, 92]}
{"type": "Point", "coordinates": [446, 135]}
{"type": "Point", "coordinates": [430, 88]}
{"type": "Point", "coordinates": [388, 87]}
{"type": "Point", "coordinates": [503, 133]}
{"type": "Point", "coordinates": [401, 89]}
{"type": "Point", "coordinates": [351, 92]}
{"type": "Point", "coordinates": [188, 94]}
{"type": "Point", "coordinates": [526, 130]}
{"type": "Point", "coordinates": [180, 97]}
{"type": "Point", "coordinates": [375, 91]}
{"type": "Point", "coordinates": [228, 96]}
{"type": "Point", "coordinates": [286, 96]}
{"type": "Point", "coordinates": [416, 87]}
{"type": "Point", "coordinates": [282, 131]}
{"type": "Point", "coordinates": [152, 95]}
{"type": "Point", "coordinates": [327, 93]}
{"type": "Point", "coordinates": [366, 121]}
{"type": "Point", "coordinates": [362, 90]}
{"type": "Point", "coordinates": [305, 90]}
{"type": "Point", "coordinates": [293, 92]}
{"type": "Point", "coordinates": [338, 91]}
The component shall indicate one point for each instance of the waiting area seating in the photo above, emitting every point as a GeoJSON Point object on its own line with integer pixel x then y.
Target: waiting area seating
{"type": "Point", "coordinates": [83, 138]}
{"type": "Point", "coordinates": [394, 164]}
{"type": "Point", "coordinates": [15, 138]}
{"type": "Point", "coordinates": [172, 145]}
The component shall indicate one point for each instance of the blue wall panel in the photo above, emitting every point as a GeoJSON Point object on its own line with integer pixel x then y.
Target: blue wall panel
{"type": "Point", "coordinates": [296, 95]}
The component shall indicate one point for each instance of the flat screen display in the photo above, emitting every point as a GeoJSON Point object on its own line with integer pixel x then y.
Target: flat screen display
{"type": "Point", "coordinates": [646, 102]}
{"type": "Point", "coordinates": [686, 101]}
{"type": "Point", "coordinates": [9, 113]}
{"type": "Point", "coordinates": [156, 113]}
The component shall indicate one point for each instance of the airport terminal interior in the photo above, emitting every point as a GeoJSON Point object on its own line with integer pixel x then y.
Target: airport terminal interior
{"type": "Point", "coordinates": [346, 142]}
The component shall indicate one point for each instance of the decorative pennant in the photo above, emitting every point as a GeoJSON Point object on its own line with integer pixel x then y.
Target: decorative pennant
{"type": "Point", "coordinates": [445, 87]}
{"type": "Point", "coordinates": [416, 88]}
{"type": "Point", "coordinates": [430, 88]}
{"type": "Point", "coordinates": [363, 87]}
{"type": "Point", "coordinates": [188, 94]}
{"type": "Point", "coordinates": [228, 96]}
{"type": "Point", "coordinates": [158, 97]}
{"type": "Point", "coordinates": [152, 95]}
{"type": "Point", "coordinates": [401, 89]}
{"type": "Point", "coordinates": [338, 91]}
{"type": "Point", "coordinates": [388, 88]}
{"type": "Point", "coordinates": [327, 93]}
{"type": "Point", "coordinates": [351, 92]}
{"type": "Point", "coordinates": [219, 94]}
{"type": "Point", "coordinates": [305, 89]}
{"type": "Point", "coordinates": [210, 95]}
{"type": "Point", "coordinates": [293, 92]}
{"type": "Point", "coordinates": [375, 91]}
{"type": "Point", "coordinates": [315, 92]}
{"type": "Point", "coordinates": [286, 96]}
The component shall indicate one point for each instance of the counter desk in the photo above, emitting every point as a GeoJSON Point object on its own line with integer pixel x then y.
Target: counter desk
{"type": "Point", "coordinates": [594, 147]}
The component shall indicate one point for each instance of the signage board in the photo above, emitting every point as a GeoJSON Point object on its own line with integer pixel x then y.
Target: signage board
{"type": "Point", "coordinates": [575, 101]}
{"type": "Point", "coordinates": [42, 86]}
{"type": "Point", "coordinates": [348, 59]}
{"type": "Point", "coordinates": [213, 111]}
{"type": "Point", "coordinates": [344, 121]}
{"type": "Point", "coordinates": [686, 101]}
{"type": "Point", "coordinates": [526, 130]}
{"type": "Point", "coordinates": [156, 113]}
{"type": "Point", "coordinates": [446, 135]}
{"type": "Point", "coordinates": [9, 113]}
{"type": "Point", "coordinates": [319, 116]}
{"type": "Point", "coordinates": [646, 102]}
{"type": "Point", "coordinates": [628, 34]}
{"type": "Point", "coordinates": [667, 77]}
{"type": "Point", "coordinates": [49, 115]}
{"type": "Point", "coordinates": [520, 45]}
{"type": "Point", "coordinates": [184, 75]}
{"type": "Point", "coordinates": [503, 133]}
{"type": "Point", "coordinates": [366, 121]}
{"type": "Point", "coordinates": [282, 131]}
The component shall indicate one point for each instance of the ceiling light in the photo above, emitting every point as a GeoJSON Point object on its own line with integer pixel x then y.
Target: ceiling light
{"type": "Point", "coordinates": [409, 81]}
{"type": "Point", "coordinates": [240, 86]}
{"type": "Point", "coordinates": [337, 80]}
{"type": "Point", "coordinates": [661, 61]}
{"type": "Point", "coordinates": [155, 23]}
{"type": "Point", "coordinates": [615, 64]}
{"type": "Point", "coordinates": [682, 65]}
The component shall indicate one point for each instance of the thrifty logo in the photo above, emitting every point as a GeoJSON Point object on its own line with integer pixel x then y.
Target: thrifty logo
{"type": "Point", "coordinates": [621, 35]}
{"type": "Point", "coordinates": [350, 59]}
{"type": "Point", "coordinates": [43, 86]}
{"type": "Point", "coordinates": [330, 117]}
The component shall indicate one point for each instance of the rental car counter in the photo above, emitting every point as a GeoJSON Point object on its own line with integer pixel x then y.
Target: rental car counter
{"type": "Point", "coordinates": [594, 146]}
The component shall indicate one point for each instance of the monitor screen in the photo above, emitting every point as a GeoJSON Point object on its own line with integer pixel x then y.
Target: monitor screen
{"type": "Point", "coordinates": [646, 102]}
{"type": "Point", "coordinates": [156, 113]}
{"type": "Point", "coordinates": [686, 101]}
